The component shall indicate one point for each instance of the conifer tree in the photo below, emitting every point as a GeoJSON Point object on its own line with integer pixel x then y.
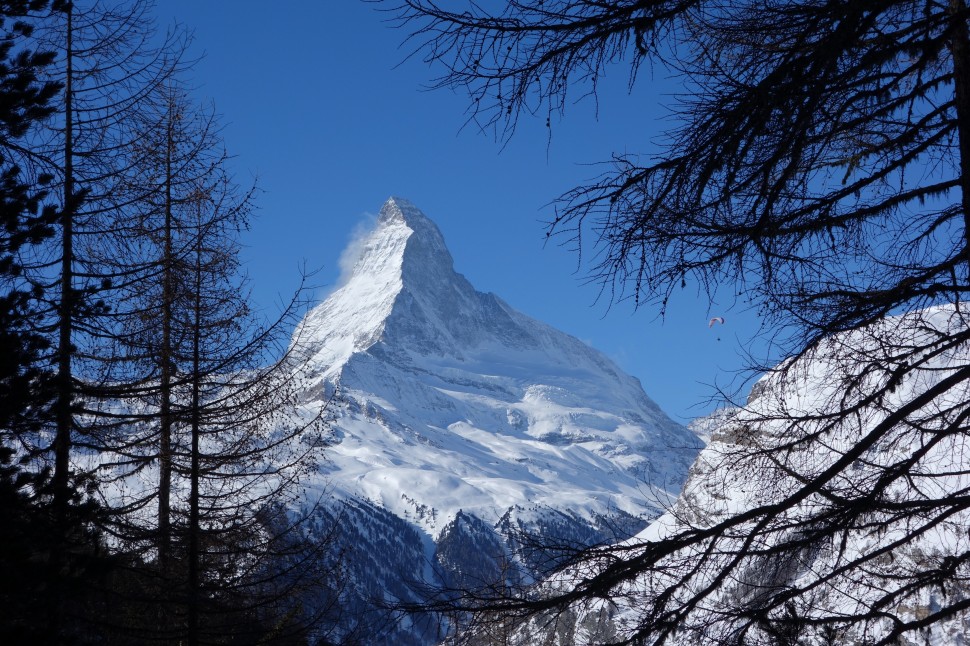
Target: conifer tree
{"type": "Point", "coordinates": [42, 566]}
{"type": "Point", "coordinates": [217, 411]}
{"type": "Point", "coordinates": [24, 222]}
{"type": "Point", "coordinates": [131, 356]}
{"type": "Point", "coordinates": [176, 149]}
{"type": "Point", "coordinates": [147, 217]}
{"type": "Point", "coordinates": [242, 441]}
{"type": "Point", "coordinates": [109, 66]}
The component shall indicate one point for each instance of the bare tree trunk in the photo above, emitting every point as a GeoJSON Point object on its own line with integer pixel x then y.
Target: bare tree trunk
{"type": "Point", "coordinates": [63, 414]}
{"type": "Point", "coordinates": [960, 48]}
{"type": "Point", "coordinates": [65, 386]}
{"type": "Point", "coordinates": [196, 423]}
{"type": "Point", "coordinates": [165, 431]}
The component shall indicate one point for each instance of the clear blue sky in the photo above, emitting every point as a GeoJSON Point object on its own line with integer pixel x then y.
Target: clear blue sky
{"type": "Point", "coordinates": [321, 107]}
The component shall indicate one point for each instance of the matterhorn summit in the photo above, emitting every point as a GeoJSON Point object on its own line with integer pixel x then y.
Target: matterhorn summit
{"type": "Point", "coordinates": [459, 421]}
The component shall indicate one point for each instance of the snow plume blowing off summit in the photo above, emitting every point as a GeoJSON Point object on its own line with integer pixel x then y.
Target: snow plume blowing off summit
{"type": "Point", "coordinates": [480, 389]}
{"type": "Point", "coordinates": [458, 415]}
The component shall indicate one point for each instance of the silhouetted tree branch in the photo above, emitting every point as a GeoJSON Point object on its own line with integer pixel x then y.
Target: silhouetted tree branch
{"type": "Point", "coordinates": [816, 169]}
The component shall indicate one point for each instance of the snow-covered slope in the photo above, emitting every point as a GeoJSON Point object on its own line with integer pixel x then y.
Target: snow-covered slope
{"type": "Point", "coordinates": [457, 413]}
{"type": "Point", "coordinates": [875, 420]}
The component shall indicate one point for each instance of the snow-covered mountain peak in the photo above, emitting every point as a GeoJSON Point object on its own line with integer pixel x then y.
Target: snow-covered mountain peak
{"type": "Point", "coordinates": [403, 241]}
{"type": "Point", "coordinates": [461, 423]}
{"type": "Point", "coordinates": [462, 402]}
{"type": "Point", "coordinates": [404, 251]}
{"type": "Point", "coordinates": [404, 293]}
{"type": "Point", "coordinates": [424, 237]}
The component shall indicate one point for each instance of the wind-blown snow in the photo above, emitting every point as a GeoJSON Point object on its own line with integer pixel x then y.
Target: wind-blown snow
{"type": "Point", "coordinates": [452, 400]}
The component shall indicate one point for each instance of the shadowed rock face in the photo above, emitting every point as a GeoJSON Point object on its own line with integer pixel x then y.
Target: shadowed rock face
{"type": "Point", "coordinates": [454, 403]}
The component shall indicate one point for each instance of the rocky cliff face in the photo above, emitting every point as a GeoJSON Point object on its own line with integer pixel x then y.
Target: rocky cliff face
{"type": "Point", "coordinates": [459, 421]}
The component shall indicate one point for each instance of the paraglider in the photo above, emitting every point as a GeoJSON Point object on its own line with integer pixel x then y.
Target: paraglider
{"type": "Point", "coordinates": [716, 319]}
